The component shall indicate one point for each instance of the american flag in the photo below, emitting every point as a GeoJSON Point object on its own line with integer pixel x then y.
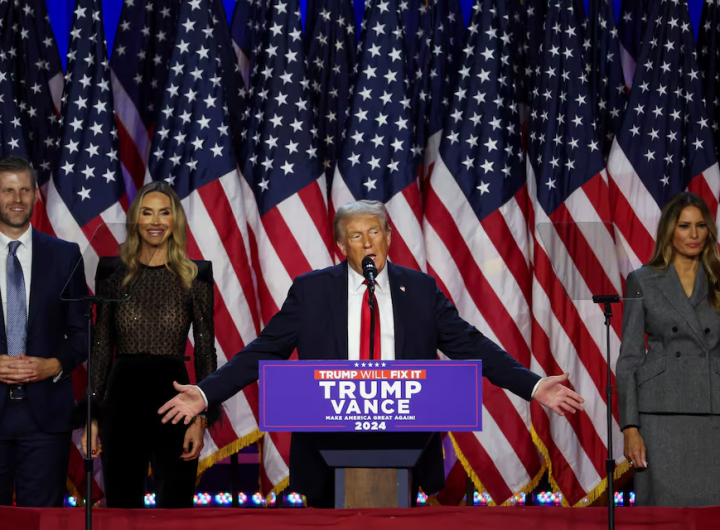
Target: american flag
{"type": "Point", "coordinates": [666, 143]}
{"type": "Point", "coordinates": [414, 25]}
{"type": "Point", "coordinates": [418, 80]}
{"type": "Point", "coordinates": [139, 65]}
{"type": "Point", "coordinates": [12, 139]}
{"type": "Point", "coordinates": [377, 160]}
{"type": "Point", "coordinates": [709, 55]}
{"type": "Point", "coordinates": [534, 22]}
{"type": "Point", "coordinates": [282, 179]}
{"type": "Point", "coordinates": [604, 69]}
{"type": "Point", "coordinates": [567, 183]}
{"type": "Point", "coordinates": [446, 49]}
{"type": "Point", "coordinates": [39, 84]}
{"type": "Point", "coordinates": [331, 45]}
{"type": "Point", "coordinates": [246, 21]}
{"type": "Point", "coordinates": [475, 225]}
{"type": "Point", "coordinates": [631, 28]}
{"type": "Point", "coordinates": [192, 150]}
{"type": "Point", "coordinates": [86, 188]}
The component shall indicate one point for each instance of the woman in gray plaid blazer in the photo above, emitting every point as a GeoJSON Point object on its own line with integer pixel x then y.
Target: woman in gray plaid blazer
{"type": "Point", "coordinates": [669, 395]}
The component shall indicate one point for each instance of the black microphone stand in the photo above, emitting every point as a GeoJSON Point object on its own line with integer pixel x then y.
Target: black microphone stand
{"type": "Point", "coordinates": [371, 299]}
{"type": "Point", "coordinates": [89, 392]}
{"type": "Point", "coordinates": [91, 301]}
{"type": "Point", "coordinates": [607, 301]}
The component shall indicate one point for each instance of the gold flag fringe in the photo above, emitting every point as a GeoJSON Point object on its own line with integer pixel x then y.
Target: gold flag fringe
{"type": "Point", "coordinates": [592, 495]}
{"type": "Point", "coordinates": [479, 485]}
{"type": "Point", "coordinates": [228, 450]}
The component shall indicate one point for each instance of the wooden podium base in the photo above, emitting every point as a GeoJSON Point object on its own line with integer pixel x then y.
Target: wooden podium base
{"type": "Point", "coordinates": [372, 488]}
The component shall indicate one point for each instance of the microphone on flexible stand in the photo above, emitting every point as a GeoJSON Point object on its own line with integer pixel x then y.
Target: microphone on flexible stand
{"type": "Point", "coordinates": [370, 272]}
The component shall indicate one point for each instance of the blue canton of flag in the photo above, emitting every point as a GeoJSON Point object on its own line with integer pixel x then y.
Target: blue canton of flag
{"type": "Point", "coordinates": [446, 57]}
{"type": "Point", "coordinates": [377, 160]}
{"type": "Point", "coordinates": [230, 70]}
{"type": "Point", "coordinates": [413, 26]}
{"type": "Point", "coordinates": [666, 134]}
{"type": "Point", "coordinates": [331, 58]}
{"type": "Point", "coordinates": [38, 68]}
{"type": "Point", "coordinates": [708, 44]}
{"type": "Point", "coordinates": [12, 141]}
{"type": "Point", "coordinates": [278, 150]}
{"type": "Point", "coordinates": [248, 25]}
{"type": "Point", "coordinates": [604, 69]}
{"type": "Point", "coordinates": [141, 59]}
{"type": "Point", "coordinates": [631, 28]}
{"type": "Point", "coordinates": [481, 143]}
{"type": "Point", "coordinates": [192, 144]}
{"type": "Point", "coordinates": [241, 29]}
{"type": "Point", "coordinates": [534, 22]}
{"type": "Point", "coordinates": [517, 11]}
{"type": "Point", "coordinates": [563, 151]}
{"type": "Point", "coordinates": [88, 177]}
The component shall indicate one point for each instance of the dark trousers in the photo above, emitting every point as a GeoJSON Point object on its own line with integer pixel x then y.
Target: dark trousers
{"type": "Point", "coordinates": [133, 436]}
{"type": "Point", "coordinates": [33, 463]}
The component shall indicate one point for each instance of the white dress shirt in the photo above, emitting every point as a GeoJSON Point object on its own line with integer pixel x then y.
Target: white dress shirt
{"type": "Point", "coordinates": [356, 291]}
{"type": "Point", "coordinates": [24, 255]}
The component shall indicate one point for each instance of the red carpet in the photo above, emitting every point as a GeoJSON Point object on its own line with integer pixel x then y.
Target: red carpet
{"type": "Point", "coordinates": [429, 518]}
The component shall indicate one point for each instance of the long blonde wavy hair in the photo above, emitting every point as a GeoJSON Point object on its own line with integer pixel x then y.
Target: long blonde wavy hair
{"type": "Point", "coordinates": [665, 250]}
{"type": "Point", "coordinates": [177, 260]}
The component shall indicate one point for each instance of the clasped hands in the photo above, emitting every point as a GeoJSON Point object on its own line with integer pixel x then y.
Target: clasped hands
{"type": "Point", "coordinates": [26, 369]}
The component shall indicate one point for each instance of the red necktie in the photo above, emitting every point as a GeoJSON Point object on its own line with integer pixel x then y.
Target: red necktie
{"type": "Point", "coordinates": [365, 327]}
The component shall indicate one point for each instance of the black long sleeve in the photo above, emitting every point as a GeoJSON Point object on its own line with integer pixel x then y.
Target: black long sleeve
{"type": "Point", "coordinates": [154, 320]}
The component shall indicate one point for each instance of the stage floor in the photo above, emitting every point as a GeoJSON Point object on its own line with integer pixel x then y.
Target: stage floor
{"type": "Point", "coordinates": [429, 518]}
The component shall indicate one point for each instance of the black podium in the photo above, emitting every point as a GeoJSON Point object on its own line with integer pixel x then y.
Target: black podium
{"type": "Point", "coordinates": [374, 470]}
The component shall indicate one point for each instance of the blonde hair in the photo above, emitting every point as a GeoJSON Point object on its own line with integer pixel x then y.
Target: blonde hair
{"type": "Point", "coordinates": [665, 250]}
{"type": "Point", "coordinates": [356, 209]}
{"type": "Point", "coordinates": [177, 261]}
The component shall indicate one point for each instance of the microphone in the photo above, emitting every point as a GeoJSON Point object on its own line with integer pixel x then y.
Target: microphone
{"type": "Point", "coordinates": [369, 270]}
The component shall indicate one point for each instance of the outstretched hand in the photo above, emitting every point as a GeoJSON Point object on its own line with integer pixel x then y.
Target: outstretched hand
{"type": "Point", "coordinates": [552, 394]}
{"type": "Point", "coordinates": [185, 406]}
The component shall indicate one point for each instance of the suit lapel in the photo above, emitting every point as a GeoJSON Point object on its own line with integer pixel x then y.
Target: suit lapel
{"type": "Point", "coordinates": [339, 309]}
{"type": "Point", "coordinates": [700, 291]}
{"type": "Point", "coordinates": [39, 277]}
{"type": "Point", "coordinates": [399, 302]}
{"type": "Point", "coordinates": [672, 289]}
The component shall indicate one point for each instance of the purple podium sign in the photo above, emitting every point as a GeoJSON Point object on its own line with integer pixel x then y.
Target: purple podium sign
{"type": "Point", "coordinates": [347, 396]}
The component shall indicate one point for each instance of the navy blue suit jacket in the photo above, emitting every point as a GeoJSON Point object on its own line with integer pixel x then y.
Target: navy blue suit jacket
{"type": "Point", "coordinates": [56, 329]}
{"type": "Point", "coordinates": [313, 319]}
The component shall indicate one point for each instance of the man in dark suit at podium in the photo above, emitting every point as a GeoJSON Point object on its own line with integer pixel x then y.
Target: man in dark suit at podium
{"type": "Point", "coordinates": [42, 340]}
{"type": "Point", "coordinates": [326, 316]}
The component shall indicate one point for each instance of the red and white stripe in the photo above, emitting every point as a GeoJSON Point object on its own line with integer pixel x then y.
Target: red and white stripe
{"type": "Point", "coordinates": [575, 261]}
{"type": "Point", "coordinates": [484, 268]}
{"type": "Point", "coordinates": [291, 239]}
{"type": "Point", "coordinates": [405, 216]}
{"type": "Point", "coordinates": [65, 227]}
{"type": "Point", "coordinates": [635, 211]}
{"type": "Point", "coordinates": [218, 233]}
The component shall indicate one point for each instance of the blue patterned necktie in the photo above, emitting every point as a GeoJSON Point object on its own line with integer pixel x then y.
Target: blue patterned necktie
{"type": "Point", "coordinates": [16, 310]}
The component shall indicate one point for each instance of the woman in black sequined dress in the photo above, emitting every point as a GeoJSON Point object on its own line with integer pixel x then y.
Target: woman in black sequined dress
{"type": "Point", "coordinates": [139, 350]}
